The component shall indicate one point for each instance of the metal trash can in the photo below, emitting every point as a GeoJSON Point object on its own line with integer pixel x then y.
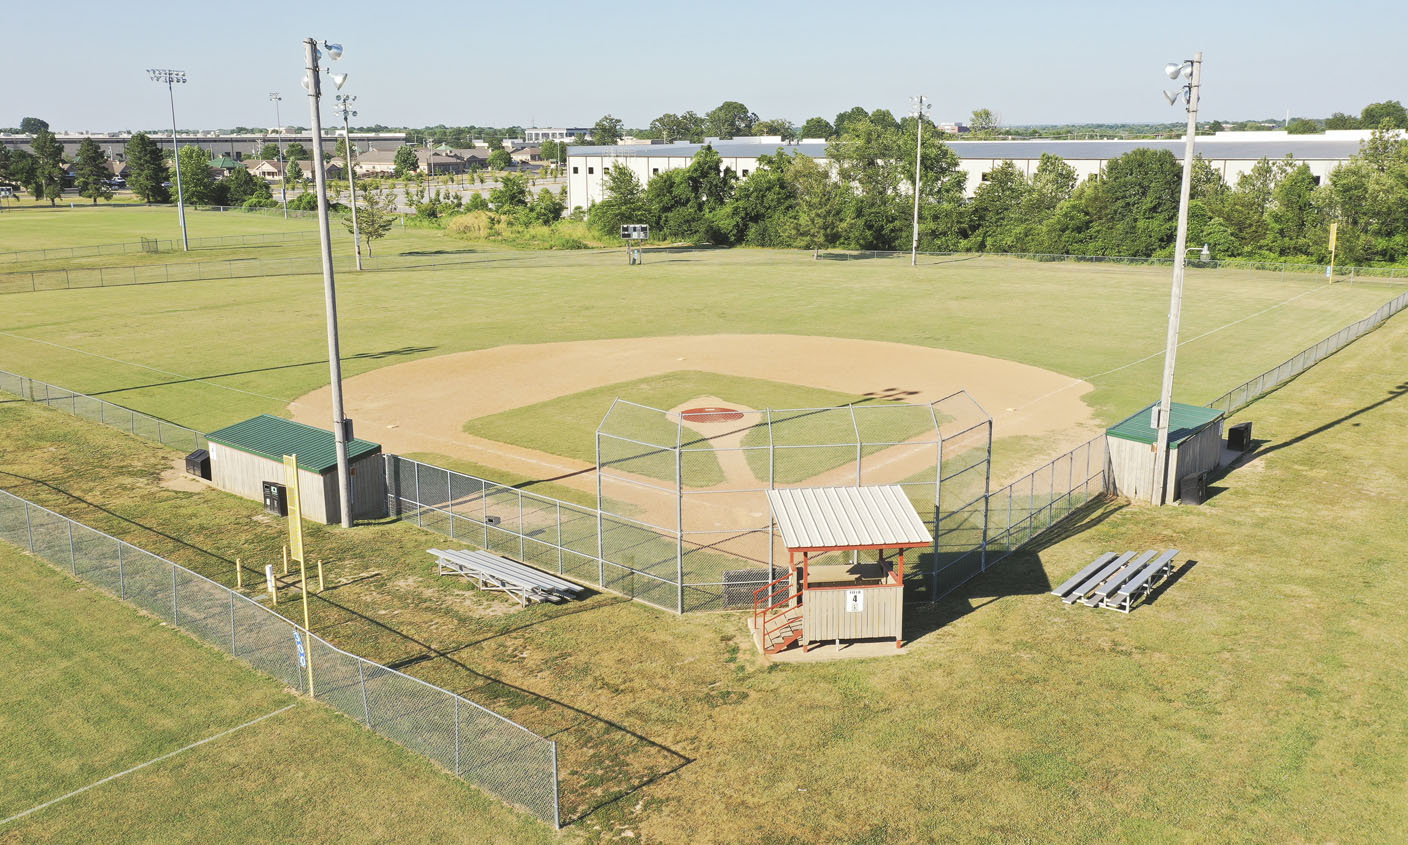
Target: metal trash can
{"type": "Point", "coordinates": [198, 464]}
{"type": "Point", "coordinates": [276, 498]}
{"type": "Point", "coordinates": [1193, 489]}
{"type": "Point", "coordinates": [1239, 437]}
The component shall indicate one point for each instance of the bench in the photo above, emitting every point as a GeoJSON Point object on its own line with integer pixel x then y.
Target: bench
{"type": "Point", "coordinates": [491, 572]}
{"type": "Point", "coordinates": [1093, 581]}
{"type": "Point", "coordinates": [1079, 577]}
{"type": "Point", "coordinates": [1137, 588]}
{"type": "Point", "coordinates": [1117, 578]}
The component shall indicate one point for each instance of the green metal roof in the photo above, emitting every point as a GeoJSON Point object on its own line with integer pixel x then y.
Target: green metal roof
{"type": "Point", "coordinates": [273, 437]}
{"type": "Point", "coordinates": [1184, 422]}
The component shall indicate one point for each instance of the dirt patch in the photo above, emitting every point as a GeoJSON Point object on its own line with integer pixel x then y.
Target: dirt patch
{"type": "Point", "coordinates": [420, 406]}
{"type": "Point", "coordinates": [176, 478]}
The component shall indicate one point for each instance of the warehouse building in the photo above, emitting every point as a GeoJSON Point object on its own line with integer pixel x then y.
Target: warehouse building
{"type": "Point", "coordinates": [246, 456]}
{"type": "Point", "coordinates": [1230, 153]}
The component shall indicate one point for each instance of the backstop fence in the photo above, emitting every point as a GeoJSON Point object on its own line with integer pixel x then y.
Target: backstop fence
{"type": "Point", "coordinates": [102, 411]}
{"type": "Point", "coordinates": [478, 745]}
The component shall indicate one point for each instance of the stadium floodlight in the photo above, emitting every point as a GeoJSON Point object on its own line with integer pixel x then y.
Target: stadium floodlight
{"type": "Point", "coordinates": [172, 78]}
{"type": "Point", "coordinates": [1172, 96]}
{"type": "Point", "coordinates": [921, 106]}
{"type": "Point", "coordinates": [334, 50]}
{"type": "Point", "coordinates": [344, 107]}
{"type": "Point", "coordinates": [283, 177]}
{"type": "Point", "coordinates": [1193, 70]}
{"type": "Point", "coordinates": [339, 79]}
{"type": "Point", "coordinates": [341, 426]}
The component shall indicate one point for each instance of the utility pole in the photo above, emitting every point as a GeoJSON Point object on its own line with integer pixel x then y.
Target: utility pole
{"type": "Point", "coordinates": [1192, 70]}
{"type": "Point", "coordinates": [283, 176]}
{"type": "Point", "coordinates": [921, 105]}
{"type": "Point", "coordinates": [340, 424]}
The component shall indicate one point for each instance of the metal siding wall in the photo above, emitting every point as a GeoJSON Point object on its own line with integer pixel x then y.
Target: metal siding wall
{"type": "Point", "coordinates": [368, 487]}
{"type": "Point", "coordinates": [1132, 467]}
{"type": "Point", "coordinates": [242, 473]}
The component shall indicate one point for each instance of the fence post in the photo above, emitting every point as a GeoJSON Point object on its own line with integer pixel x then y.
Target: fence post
{"type": "Point", "coordinates": [362, 678]}
{"type": "Point", "coordinates": [29, 527]}
{"type": "Point", "coordinates": [234, 650]}
{"type": "Point", "coordinates": [72, 558]}
{"type": "Point", "coordinates": [559, 538]}
{"type": "Point", "coordinates": [457, 736]}
{"type": "Point", "coordinates": [522, 541]}
{"type": "Point", "coordinates": [174, 609]}
{"type": "Point", "coordinates": [556, 808]}
{"type": "Point", "coordinates": [121, 577]}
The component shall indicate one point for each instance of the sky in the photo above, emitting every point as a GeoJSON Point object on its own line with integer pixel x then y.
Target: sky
{"type": "Point", "coordinates": [547, 63]}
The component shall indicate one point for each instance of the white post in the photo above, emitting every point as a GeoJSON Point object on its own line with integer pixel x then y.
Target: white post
{"type": "Point", "coordinates": [176, 155]}
{"type": "Point", "coordinates": [1176, 299]}
{"type": "Point", "coordinates": [283, 176]}
{"type": "Point", "coordinates": [339, 423]}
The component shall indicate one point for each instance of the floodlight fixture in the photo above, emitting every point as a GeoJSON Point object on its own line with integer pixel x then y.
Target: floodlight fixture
{"type": "Point", "coordinates": [1173, 70]}
{"type": "Point", "coordinates": [171, 78]}
{"type": "Point", "coordinates": [1172, 96]}
{"type": "Point", "coordinates": [338, 79]}
{"type": "Point", "coordinates": [334, 50]}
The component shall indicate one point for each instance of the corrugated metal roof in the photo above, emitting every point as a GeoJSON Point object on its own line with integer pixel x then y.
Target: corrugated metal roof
{"type": "Point", "coordinates": [273, 437]}
{"type": "Point", "coordinates": [1184, 421]}
{"type": "Point", "coordinates": [833, 517]}
{"type": "Point", "coordinates": [1303, 148]}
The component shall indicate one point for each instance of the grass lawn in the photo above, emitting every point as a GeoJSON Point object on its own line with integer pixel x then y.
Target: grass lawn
{"type": "Point", "coordinates": [94, 688]}
{"type": "Point", "coordinates": [165, 349]}
{"type": "Point", "coordinates": [1258, 697]}
{"type": "Point", "coordinates": [84, 225]}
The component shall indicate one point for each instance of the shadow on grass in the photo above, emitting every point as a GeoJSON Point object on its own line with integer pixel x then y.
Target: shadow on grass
{"type": "Point", "coordinates": [602, 758]}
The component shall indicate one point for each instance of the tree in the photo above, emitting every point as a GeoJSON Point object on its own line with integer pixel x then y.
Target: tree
{"type": "Point", "coordinates": [510, 196]}
{"type": "Point", "coordinates": [21, 168]}
{"type": "Point", "coordinates": [816, 127]}
{"type": "Point", "coordinates": [984, 121]}
{"type": "Point", "coordinates": [47, 181]}
{"type": "Point", "coordinates": [376, 212]}
{"type": "Point", "coordinates": [292, 172]}
{"type": "Point", "coordinates": [90, 172]}
{"type": "Point", "coordinates": [33, 126]}
{"type": "Point", "coordinates": [995, 211]}
{"type": "Point", "coordinates": [622, 202]}
{"type": "Point", "coordinates": [242, 186]}
{"type": "Point", "coordinates": [1340, 120]}
{"type": "Point", "coordinates": [817, 223]}
{"type": "Point", "coordinates": [730, 120]}
{"type": "Point", "coordinates": [670, 127]}
{"type": "Point", "coordinates": [608, 130]}
{"type": "Point", "coordinates": [843, 120]}
{"type": "Point", "coordinates": [339, 150]}
{"type": "Point", "coordinates": [547, 208]}
{"type": "Point", "coordinates": [269, 152]}
{"type": "Point", "coordinates": [777, 126]}
{"type": "Point", "coordinates": [1392, 111]}
{"type": "Point", "coordinates": [500, 159]}
{"type": "Point", "coordinates": [1293, 221]}
{"type": "Point", "coordinates": [146, 169]}
{"type": "Point", "coordinates": [761, 206]}
{"type": "Point", "coordinates": [405, 162]}
{"type": "Point", "coordinates": [296, 152]}
{"type": "Point", "coordinates": [1302, 126]}
{"type": "Point", "coordinates": [196, 182]}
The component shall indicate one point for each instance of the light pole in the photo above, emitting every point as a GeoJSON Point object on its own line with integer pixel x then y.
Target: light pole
{"type": "Point", "coordinates": [344, 105]}
{"type": "Point", "coordinates": [341, 426]}
{"type": "Point", "coordinates": [283, 177]}
{"type": "Point", "coordinates": [171, 77]}
{"type": "Point", "coordinates": [921, 105]}
{"type": "Point", "coordinates": [1192, 70]}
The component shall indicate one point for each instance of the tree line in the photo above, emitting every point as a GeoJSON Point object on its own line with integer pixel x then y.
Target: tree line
{"type": "Point", "coordinates": [862, 198]}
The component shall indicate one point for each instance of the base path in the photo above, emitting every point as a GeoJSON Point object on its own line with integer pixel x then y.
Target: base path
{"type": "Point", "coordinates": [421, 406]}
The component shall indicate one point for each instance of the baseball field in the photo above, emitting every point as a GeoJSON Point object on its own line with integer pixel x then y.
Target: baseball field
{"type": "Point", "coordinates": [1255, 697]}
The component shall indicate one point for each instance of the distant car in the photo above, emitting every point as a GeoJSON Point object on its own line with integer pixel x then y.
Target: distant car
{"type": "Point", "coordinates": [166, 184]}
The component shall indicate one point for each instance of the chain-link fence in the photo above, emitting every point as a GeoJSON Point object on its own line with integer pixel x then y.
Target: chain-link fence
{"type": "Point", "coordinates": [1244, 394]}
{"type": "Point", "coordinates": [477, 744]}
{"type": "Point", "coordinates": [553, 535]}
{"type": "Point", "coordinates": [102, 411]}
{"type": "Point", "coordinates": [153, 245]}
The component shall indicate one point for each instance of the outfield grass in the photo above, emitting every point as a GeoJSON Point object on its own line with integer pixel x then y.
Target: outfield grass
{"type": "Point", "coordinates": [85, 226]}
{"type": "Point", "coordinates": [93, 688]}
{"type": "Point", "coordinates": [169, 349]}
{"type": "Point", "coordinates": [1258, 697]}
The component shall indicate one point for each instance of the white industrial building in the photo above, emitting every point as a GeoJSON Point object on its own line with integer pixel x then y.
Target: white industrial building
{"type": "Point", "coordinates": [1230, 153]}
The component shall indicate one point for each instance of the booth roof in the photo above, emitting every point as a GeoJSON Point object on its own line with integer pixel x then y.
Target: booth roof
{"type": "Point", "coordinates": [847, 518]}
{"type": "Point", "coordinates": [1184, 421]}
{"type": "Point", "coordinates": [273, 437]}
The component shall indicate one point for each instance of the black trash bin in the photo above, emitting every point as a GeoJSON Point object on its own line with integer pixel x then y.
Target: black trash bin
{"type": "Point", "coordinates": [276, 498]}
{"type": "Point", "coordinates": [1239, 437]}
{"type": "Point", "coordinates": [1193, 489]}
{"type": "Point", "coordinates": [198, 464]}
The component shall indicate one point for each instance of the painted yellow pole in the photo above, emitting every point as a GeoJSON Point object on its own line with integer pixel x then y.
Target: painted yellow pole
{"type": "Point", "coordinates": [1334, 238]}
{"type": "Point", "coordinates": [285, 558]}
{"type": "Point", "coordinates": [302, 571]}
{"type": "Point", "coordinates": [239, 575]}
{"type": "Point", "coordinates": [320, 576]}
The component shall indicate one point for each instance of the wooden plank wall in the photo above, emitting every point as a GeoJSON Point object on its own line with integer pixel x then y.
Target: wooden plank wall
{"type": "Point", "coordinates": [825, 618]}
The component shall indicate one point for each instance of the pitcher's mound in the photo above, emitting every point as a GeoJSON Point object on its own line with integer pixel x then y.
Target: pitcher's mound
{"type": "Point", "coordinates": [710, 415]}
